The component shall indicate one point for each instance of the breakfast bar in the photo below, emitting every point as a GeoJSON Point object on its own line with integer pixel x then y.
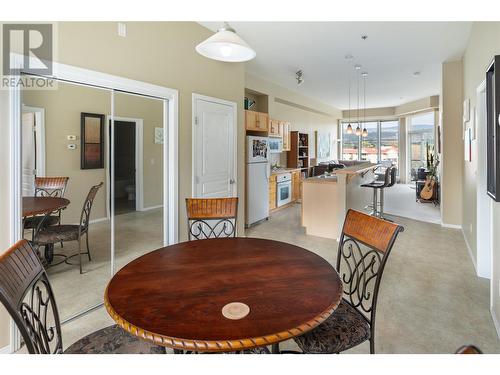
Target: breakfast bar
{"type": "Point", "coordinates": [326, 198]}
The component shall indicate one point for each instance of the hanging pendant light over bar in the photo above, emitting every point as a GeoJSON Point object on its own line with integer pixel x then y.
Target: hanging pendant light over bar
{"type": "Point", "coordinates": [349, 127]}
{"type": "Point", "coordinates": [364, 75]}
{"type": "Point", "coordinates": [358, 129]}
{"type": "Point", "coordinates": [226, 45]}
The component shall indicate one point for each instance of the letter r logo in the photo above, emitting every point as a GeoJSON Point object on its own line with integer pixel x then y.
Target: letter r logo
{"type": "Point", "coordinates": [34, 42]}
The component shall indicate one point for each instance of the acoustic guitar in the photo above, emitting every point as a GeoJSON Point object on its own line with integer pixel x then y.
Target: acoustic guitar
{"type": "Point", "coordinates": [428, 189]}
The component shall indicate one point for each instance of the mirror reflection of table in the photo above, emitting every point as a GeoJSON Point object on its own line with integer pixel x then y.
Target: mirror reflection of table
{"type": "Point", "coordinates": [37, 206]}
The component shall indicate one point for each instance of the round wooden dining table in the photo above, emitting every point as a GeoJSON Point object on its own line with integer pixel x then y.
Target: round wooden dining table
{"type": "Point", "coordinates": [33, 206]}
{"type": "Point", "coordinates": [43, 205]}
{"type": "Point", "coordinates": [175, 296]}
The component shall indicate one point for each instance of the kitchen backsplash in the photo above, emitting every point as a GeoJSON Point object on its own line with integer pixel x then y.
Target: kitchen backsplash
{"type": "Point", "coordinates": [279, 159]}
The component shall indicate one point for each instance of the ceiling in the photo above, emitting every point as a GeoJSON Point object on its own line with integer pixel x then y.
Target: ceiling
{"type": "Point", "coordinates": [390, 55]}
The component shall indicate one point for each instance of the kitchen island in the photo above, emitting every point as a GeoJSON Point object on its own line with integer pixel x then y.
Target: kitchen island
{"type": "Point", "coordinates": [326, 199]}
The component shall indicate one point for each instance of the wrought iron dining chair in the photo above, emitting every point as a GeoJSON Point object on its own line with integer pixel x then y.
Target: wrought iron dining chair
{"type": "Point", "coordinates": [364, 247]}
{"type": "Point", "coordinates": [47, 187]}
{"type": "Point", "coordinates": [64, 233]}
{"type": "Point", "coordinates": [211, 217]}
{"type": "Point", "coordinates": [26, 293]}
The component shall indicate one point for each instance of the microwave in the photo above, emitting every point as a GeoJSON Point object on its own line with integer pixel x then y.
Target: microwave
{"type": "Point", "coordinates": [275, 145]}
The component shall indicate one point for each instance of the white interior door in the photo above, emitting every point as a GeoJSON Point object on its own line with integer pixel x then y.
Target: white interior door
{"type": "Point", "coordinates": [214, 148]}
{"type": "Point", "coordinates": [28, 153]}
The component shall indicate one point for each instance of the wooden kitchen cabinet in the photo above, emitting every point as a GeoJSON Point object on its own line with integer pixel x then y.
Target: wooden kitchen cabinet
{"type": "Point", "coordinates": [296, 193]}
{"type": "Point", "coordinates": [274, 128]}
{"type": "Point", "coordinates": [256, 121]}
{"type": "Point", "coordinates": [272, 192]}
{"type": "Point", "coordinates": [285, 134]}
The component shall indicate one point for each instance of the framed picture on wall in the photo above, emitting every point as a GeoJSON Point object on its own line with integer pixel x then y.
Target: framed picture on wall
{"type": "Point", "coordinates": [492, 129]}
{"type": "Point", "coordinates": [92, 141]}
{"type": "Point", "coordinates": [324, 145]}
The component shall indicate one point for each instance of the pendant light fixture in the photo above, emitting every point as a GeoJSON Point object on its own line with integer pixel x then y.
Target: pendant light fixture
{"type": "Point", "coordinates": [349, 127]}
{"type": "Point", "coordinates": [358, 129]}
{"type": "Point", "coordinates": [365, 132]}
{"type": "Point", "coordinates": [226, 45]}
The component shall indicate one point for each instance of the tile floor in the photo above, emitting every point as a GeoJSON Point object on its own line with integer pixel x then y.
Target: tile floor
{"type": "Point", "coordinates": [430, 300]}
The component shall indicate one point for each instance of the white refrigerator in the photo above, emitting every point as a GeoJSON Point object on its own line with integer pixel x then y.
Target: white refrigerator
{"type": "Point", "coordinates": [257, 177]}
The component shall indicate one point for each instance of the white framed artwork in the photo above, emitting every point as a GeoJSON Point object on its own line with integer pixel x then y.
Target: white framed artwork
{"type": "Point", "coordinates": [159, 136]}
{"type": "Point", "coordinates": [466, 110]}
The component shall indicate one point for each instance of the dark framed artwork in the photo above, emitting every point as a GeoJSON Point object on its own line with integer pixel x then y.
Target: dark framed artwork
{"type": "Point", "coordinates": [92, 137]}
{"type": "Point", "coordinates": [492, 129]}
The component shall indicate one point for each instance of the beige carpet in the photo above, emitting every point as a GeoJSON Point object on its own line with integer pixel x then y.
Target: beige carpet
{"type": "Point", "coordinates": [430, 299]}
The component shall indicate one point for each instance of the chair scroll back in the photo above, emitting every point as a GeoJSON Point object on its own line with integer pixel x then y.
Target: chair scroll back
{"type": "Point", "coordinates": [364, 247]}
{"type": "Point", "coordinates": [87, 207]}
{"type": "Point", "coordinates": [50, 186]}
{"type": "Point", "coordinates": [211, 217]}
{"type": "Point", "coordinates": [26, 293]}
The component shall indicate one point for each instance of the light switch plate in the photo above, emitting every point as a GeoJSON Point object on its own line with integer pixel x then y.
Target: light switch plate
{"type": "Point", "coordinates": [71, 146]}
{"type": "Point", "coordinates": [71, 137]}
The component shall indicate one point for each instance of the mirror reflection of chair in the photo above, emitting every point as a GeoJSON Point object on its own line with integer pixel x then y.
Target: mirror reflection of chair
{"type": "Point", "coordinates": [47, 187]}
{"type": "Point", "coordinates": [211, 217]}
{"type": "Point", "coordinates": [65, 232]}
{"type": "Point", "coordinates": [26, 293]}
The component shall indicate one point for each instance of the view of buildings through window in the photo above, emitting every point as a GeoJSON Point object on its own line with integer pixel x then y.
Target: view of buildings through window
{"type": "Point", "coordinates": [382, 142]}
{"type": "Point", "coordinates": [420, 141]}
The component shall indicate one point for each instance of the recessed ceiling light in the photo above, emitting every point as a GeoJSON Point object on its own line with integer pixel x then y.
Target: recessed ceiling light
{"type": "Point", "coordinates": [416, 74]}
{"type": "Point", "coordinates": [364, 74]}
{"type": "Point", "coordinates": [364, 37]}
{"type": "Point", "coordinates": [357, 67]}
{"type": "Point", "coordinates": [349, 57]}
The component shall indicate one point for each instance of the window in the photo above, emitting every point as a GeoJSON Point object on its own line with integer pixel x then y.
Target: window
{"type": "Point", "coordinates": [350, 144]}
{"type": "Point", "coordinates": [382, 142]}
{"type": "Point", "coordinates": [389, 141]}
{"type": "Point", "coordinates": [420, 141]}
{"type": "Point", "coordinates": [369, 144]}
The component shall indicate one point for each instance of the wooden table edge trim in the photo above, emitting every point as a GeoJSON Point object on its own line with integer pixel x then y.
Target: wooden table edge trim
{"type": "Point", "coordinates": [222, 345]}
{"type": "Point", "coordinates": [64, 203]}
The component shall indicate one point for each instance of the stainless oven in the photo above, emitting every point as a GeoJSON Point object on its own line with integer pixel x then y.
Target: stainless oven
{"type": "Point", "coordinates": [283, 189]}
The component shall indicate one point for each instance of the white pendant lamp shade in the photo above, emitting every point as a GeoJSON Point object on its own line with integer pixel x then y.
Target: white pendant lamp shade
{"type": "Point", "coordinates": [226, 45]}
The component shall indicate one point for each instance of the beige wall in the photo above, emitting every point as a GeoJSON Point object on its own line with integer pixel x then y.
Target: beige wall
{"type": "Point", "coordinates": [483, 44]}
{"type": "Point", "coordinates": [62, 118]}
{"type": "Point", "coordinates": [452, 144]}
{"type": "Point", "coordinates": [305, 114]}
{"type": "Point", "coordinates": [160, 53]}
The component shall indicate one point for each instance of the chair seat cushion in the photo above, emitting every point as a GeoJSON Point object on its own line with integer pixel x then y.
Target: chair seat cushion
{"type": "Point", "coordinates": [113, 340]}
{"type": "Point", "coordinates": [34, 221]}
{"type": "Point", "coordinates": [344, 329]}
{"type": "Point", "coordinates": [58, 233]}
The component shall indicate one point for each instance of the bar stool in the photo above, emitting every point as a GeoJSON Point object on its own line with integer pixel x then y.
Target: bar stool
{"type": "Point", "coordinates": [376, 185]}
{"type": "Point", "coordinates": [392, 181]}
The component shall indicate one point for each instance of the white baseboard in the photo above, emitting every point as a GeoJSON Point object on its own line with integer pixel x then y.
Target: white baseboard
{"type": "Point", "coordinates": [5, 350]}
{"type": "Point", "coordinates": [452, 226]}
{"type": "Point", "coordinates": [495, 322]}
{"type": "Point", "coordinates": [152, 208]}
{"type": "Point", "coordinates": [470, 250]}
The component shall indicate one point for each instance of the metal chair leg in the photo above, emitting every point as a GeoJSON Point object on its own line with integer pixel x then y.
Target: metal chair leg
{"type": "Point", "coordinates": [88, 248]}
{"type": "Point", "coordinates": [275, 349]}
{"type": "Point", "coordinates": [375, 203]}
{"type": "Point", "coordinates": [381, 211]}
{"type": "Point", "coordinates": [80, 253]}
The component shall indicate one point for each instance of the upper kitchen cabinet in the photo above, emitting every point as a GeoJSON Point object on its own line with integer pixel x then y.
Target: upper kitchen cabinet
{"type": "Point", "coordinates": [284, 129]}
{"type": "Point", "coordinates": [274, 128]}
{"type": "Point", "coordinates": [256, 121]}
